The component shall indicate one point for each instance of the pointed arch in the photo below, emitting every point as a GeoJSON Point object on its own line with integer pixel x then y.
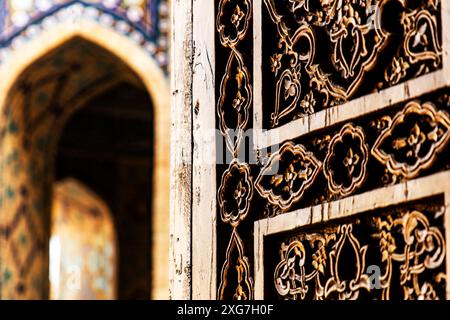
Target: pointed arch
{"type": "Point", "coordinates": [156, 83]}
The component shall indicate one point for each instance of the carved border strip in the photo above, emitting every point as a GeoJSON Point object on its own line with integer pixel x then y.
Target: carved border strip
{"type": "Point", "coordinates": [357, 107]}
{"type": "Point", "coordinates": [437, 184]}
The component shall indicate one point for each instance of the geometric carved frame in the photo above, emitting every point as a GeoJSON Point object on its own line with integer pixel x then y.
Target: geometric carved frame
{"type": "Point", "coordinates": [433, 185]}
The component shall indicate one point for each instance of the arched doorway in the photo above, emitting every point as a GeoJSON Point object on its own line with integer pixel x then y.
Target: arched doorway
{"type": "Point", "coordinates": [60, 72]}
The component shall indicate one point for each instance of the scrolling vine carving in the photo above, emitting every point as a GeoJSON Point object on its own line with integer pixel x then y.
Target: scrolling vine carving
{"type": "Point", "coordinates": [328, 52]}
{"type": "Point", "coordinates": [404, 243]}
{"type": "Point", "coordinates": [315, 55]}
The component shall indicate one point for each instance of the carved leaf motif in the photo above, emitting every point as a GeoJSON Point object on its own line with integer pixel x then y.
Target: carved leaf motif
{"type": "Point", "coordinates": [288, 93]}
{"type": "Point", "coordinates": [235, 279]}
{"type": "Point", "coordinates": [422, 40]}
{"type": "Point", "coordinates": [234, 102]}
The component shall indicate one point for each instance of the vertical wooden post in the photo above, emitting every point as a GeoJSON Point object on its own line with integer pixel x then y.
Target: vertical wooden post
{"type": "Point", "coordinates": [181, 151]}
{"type": "Point", "coordinates": [204, 153]}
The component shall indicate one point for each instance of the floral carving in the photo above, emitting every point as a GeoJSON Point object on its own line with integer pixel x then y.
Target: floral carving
{"type": "Point", "coordinates": [235, 192]}
{"type": "Point", "coordinates": [354, 45]}
{"type": "Point", "coordinates": [422, 39]}
{"type": "Point", "coordinates": [331, 263]}
{"type": "Point", "coordinates": [290, 272]}
{"type": "Point", "coordinates": [423, 249]}
{"type": "Point", "coordinates": [413, 139]}
{"type": "Point", "coordinates": [314, 55]}
{"type": "Point", "coordinates": [337, 66]}
{"type": "Point", "coordinates": [287, 175]}
{"type": "Point", "coordinates": [351, 29]}
{"type": "Point", "coordinates": [234, 101]}
{"type": "Point", "coordinates": [233, 20]}
{"type": "Point", "coordinates": [287, 93]}
{"type": "Point", "coordinates": [291, 276]}
{"type": "Point", "coordinates": [235, 277]}
{"type": "Point", "coordinates": [397, 71]}
{"type": "Point", "coordinates": [421, 50]}
{"type": "Point", "coordinates": [346, 161]}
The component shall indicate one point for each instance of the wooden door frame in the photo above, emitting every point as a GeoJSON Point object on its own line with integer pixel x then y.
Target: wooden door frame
{"type": "Point", "coordinates": [193, 166]}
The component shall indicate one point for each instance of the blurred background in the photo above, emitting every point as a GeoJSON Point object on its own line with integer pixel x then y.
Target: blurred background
{"type": "Point", "coordinates": [84, 134]}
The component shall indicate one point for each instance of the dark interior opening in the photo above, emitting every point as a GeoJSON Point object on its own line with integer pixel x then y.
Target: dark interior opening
{"type": "Point", "coordinates": [107, 145]}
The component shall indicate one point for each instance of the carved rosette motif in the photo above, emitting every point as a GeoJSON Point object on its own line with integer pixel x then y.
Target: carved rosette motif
{"type": "Point", "coordinates": [237, 263]}
{"type": "Point", "coordinates": [232, 21]}
{"type": "Point", "coordinates": [413, 139]}
{"type": "Point", "coordinates": [287, 175]}
{"type": "Point", "coordinates": [235, 193]}
{"type": "Point", "coordinates": [345, 165]}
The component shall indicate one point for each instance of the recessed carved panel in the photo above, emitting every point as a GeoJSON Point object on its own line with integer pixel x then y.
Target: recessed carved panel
{"type": "Point", "coordinates": [319, 54]}
{"type": "Point", "coordinates": [288, 60]}
{"type": "Point", "coordinates": [396, 253]}
{"type": "Point", "coordinates": [407, 141]}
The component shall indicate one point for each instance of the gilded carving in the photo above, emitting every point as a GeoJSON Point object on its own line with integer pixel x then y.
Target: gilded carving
{"type": "Point", "coordinates": [287, 175]}
{"type": "Point", "coordinates": [349, 24]}
{"type": "Point", "coordinates": [235, 193]}
{"type": "Point", "coordinates": [317, 55]}
{"type": "Point", "coordinates": [232, 21]}
{"type": "Point", "coordinates": [406, 245]}
{"type": "Point", "coordinates": [413, 139]}
{"type": "Point", "coordinates": [236, 262]}
{"type": "Point", "coordinates": [421, 50]}
{"type": "Point", "coordinates": [291, 279]}
{"type": "Point", "coordinates": [420, 247]}
{"type": "Point", "coordinates": [345, 165]}
{"type": "Point", "coordinates": [332, 49]}
{"type": "Point", "coordinates": [234, 101]}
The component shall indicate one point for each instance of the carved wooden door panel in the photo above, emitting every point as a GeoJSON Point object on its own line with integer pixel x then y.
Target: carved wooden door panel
{"type": "Point", "coordinates": [332, 176]}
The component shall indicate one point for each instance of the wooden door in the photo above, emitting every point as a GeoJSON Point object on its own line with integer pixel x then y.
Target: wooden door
{"type": "Point", "coordinates": [318, 150]}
